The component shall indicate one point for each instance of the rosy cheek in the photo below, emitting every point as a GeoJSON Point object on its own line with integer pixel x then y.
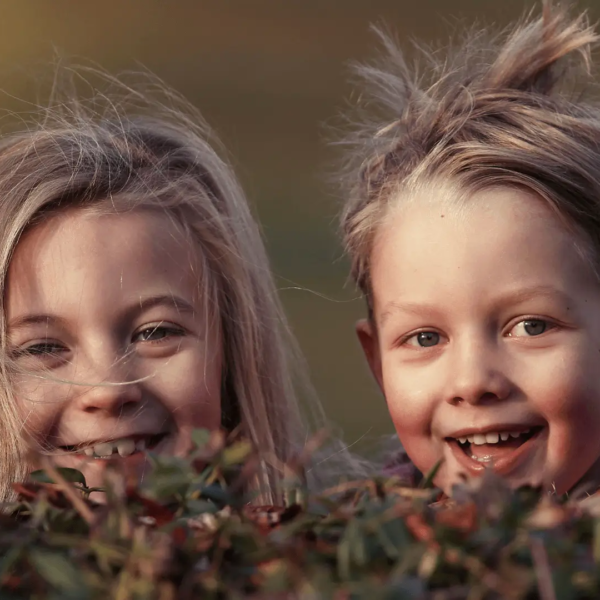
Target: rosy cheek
{"type": "Point", "coordinates": [412, 420]}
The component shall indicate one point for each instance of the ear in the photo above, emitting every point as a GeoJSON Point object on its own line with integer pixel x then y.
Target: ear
{"type": "Point", "coordinates": [367, 336]}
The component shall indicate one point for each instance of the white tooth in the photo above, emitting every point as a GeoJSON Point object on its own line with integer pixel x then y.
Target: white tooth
{"type": "Point", "coordinates": [140, 445]}
{"type": "Point", "coordinates": [504, 436]}
{"type": "Point", "coordinates": [462, 440]}
{"type": "Point", "coordinates": [492, 438]}
{"type": "Point", "coordinates": [483, 459]}
{"type": "Point", "coordinates": [103, 449]}
{"type": "Point", "coordinates": [89, 451]}
{"type": "Point", "coordinates": [479, 439]}
{"type": "Point", "coordinates": [514, 434]}
{"type": "Point", "coordinates": [125, 447]}
{"type": "Point", "coordinates": [471, 438]}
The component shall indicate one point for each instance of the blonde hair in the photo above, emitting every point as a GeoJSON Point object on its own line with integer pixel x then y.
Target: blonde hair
{"type": "Point", "coordinates": [127, 148]}
{"type": "Point", "coordinates": [502, 110]}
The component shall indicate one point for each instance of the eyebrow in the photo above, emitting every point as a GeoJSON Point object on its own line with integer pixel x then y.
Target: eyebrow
{"type": "Point", "coordinates": [514, 297]}
{"type": "Point", "coordinates": [143, 304]}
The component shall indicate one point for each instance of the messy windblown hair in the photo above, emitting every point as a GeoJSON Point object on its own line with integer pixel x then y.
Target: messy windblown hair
{"type": "Point", "coordinates": [515, 109]}
{"type": "Point", "coordinates": [143, 146]}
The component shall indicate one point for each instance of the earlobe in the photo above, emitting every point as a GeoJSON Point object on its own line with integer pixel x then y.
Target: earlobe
{"type": "Point", "coordinates": [367, 336]}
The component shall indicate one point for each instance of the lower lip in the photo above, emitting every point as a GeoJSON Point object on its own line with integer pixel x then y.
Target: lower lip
{"type": "Point", "coordinates": [503, 465]}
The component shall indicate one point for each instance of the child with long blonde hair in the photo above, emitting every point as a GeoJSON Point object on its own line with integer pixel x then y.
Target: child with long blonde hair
{"type": "Point", "coordinates": [472, 221]}
{"type": "Point", "coordinates": [137, 301]}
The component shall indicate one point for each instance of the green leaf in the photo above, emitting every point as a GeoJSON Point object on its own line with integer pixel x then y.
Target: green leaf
{"type": "Point", "coordinates": [72, 475]}
{"type": "Point", "coordinates": [8, 560]}
{"type": "Point", "coordinates": [56, 569]}
{"type": "Point", "coordinates": [428, 481]}
{"type": "Point", "coordinates": [200, 437]}
{"type": "Point", "coordinates": [197, 507]}
{"type": "Point", "coordinates": [236, 454]}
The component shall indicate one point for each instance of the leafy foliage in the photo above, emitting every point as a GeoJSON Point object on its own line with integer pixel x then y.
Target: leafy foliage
{"type": "Point", "coordinates": [189, 532]}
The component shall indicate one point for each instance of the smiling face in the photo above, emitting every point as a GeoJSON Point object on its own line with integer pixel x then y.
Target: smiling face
{"type": "Point", "coordinates": [111, 299]}
{"type": "Point", "coordinates": [485, 339]}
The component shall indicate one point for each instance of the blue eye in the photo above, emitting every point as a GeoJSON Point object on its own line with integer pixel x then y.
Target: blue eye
{"type": "Point", "coordinates": [428, 338]}
{"type": "Point", "coordinates": [424, 339]}
{"type": "Point", "coordinates": [530, 328]}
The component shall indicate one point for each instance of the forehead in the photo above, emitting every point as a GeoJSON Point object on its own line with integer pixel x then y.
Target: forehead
{"type": "Point", "coordinates": [84, 256]}
{"type": "Point", "coordinates": [499, 237]}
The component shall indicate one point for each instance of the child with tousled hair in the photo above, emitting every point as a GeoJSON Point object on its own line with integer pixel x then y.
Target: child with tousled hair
{"type": "Point", "coordinates": [136, 298]}
{"type": "Point", "coordinates": [472, 221]}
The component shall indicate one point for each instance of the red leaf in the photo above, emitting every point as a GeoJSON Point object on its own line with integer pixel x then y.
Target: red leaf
{"type": "Point", "coordinates": [463, 517]}
{"type": "Point", "coordinates": [161, 514]}
{"type": "Point", "coordinates": [179, 535]}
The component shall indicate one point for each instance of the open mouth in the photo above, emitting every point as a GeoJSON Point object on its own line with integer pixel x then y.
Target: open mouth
{"type": "Point", "coordinates": [121, 447]}
{"type": "Point", "coordinates": [499, 450]}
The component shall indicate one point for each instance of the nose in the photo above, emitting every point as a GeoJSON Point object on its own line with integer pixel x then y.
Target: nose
{"type": "Point", "coordinates": [476, 374]}
{"type": "Point", "coordinates": [106, 387]}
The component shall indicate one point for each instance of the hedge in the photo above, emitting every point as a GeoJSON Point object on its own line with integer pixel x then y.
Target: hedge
{"type": "Point", "coordinates": [187, 531]}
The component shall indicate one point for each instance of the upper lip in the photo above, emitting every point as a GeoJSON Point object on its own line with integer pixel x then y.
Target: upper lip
{"type": "Point", "coordinates": [496, 427]}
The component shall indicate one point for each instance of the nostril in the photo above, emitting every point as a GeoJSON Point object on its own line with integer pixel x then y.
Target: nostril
{"type": "Point", "coordinates": [479, 398]}
{"type": "Point", "coordinates": [488, 397]}
{"type": "Point", "coordinates": [130, 405]}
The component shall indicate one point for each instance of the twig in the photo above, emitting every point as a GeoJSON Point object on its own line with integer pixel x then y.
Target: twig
{"type": "Point", "coordinates": [69, 491]}
{"type": "Point", "coordinates": [542, 567]}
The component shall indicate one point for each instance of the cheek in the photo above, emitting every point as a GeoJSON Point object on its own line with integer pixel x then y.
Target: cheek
{"type": "Point", "coordinates": [192, 393]}
{"type": "Point", "coordinates": [569, 400]}
{"type": "Point", "coordinates": [411, 405]}
{"type": "Point", "coordinates": [565, 391]}
{"type": "Point", "coordinates": [38, 403]}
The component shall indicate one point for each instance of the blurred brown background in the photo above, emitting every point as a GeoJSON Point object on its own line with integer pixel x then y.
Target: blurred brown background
{"type": "Point", "coordinates": [268, 76]}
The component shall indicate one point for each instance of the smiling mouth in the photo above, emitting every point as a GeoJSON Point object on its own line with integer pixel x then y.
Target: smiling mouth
{"type": "Point", "coordinates": [499, 450]}
{"type": "Point", "coordinates": [116, 448]}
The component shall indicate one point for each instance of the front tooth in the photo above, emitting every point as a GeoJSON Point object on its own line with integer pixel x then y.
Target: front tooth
{"type": "Point", "coordinates": [140, 445]}
{"type": "Point", "coordinates": [89, 451]}
{"type": "Point", "coordinates": [504, 436]}
{"type": "Point", "coordinates": [462, 440]}
{"type": "Point", "coordinates": [103, 449]}
{"type": "Point", "coordinates": [483, 459]}
{"type": "Point", "coordinates": [514, 434]}
{"type": "Point", "coordinates": [492, 438]}
{"type": "Point", "coordinates": [471, 438]}
{"type": "Point", "coordinates": [125, 447]}
{"type": "Point", "coordinates": [479, 439]}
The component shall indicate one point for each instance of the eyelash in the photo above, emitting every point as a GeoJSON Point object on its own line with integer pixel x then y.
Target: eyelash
{"type": "Point", "coordinates": [171, 331]}
{"type": "Point", "coordinates": [33, 350]}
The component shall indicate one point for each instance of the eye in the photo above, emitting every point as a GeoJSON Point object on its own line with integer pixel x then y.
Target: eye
{"type": "Point", "coordinates": [424, 339]}
{"type": "Point", "coordinates": [530, 328]}
{"type": "Point", "coordinates": [45, 348]}
{"type": "Point", "coordinates": [157, 333]}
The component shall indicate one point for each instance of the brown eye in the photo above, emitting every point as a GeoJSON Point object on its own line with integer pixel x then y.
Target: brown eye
{"type": "Point", "coordinates": [41, 349]}
{"type": "Point", "coordinates": [156, 334]}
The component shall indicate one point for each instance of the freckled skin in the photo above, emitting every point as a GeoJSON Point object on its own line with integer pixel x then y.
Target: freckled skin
{"type": "Point", "coordinates": [465, 278]}
{"type": "Point", "coordinates": [89, 274]}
